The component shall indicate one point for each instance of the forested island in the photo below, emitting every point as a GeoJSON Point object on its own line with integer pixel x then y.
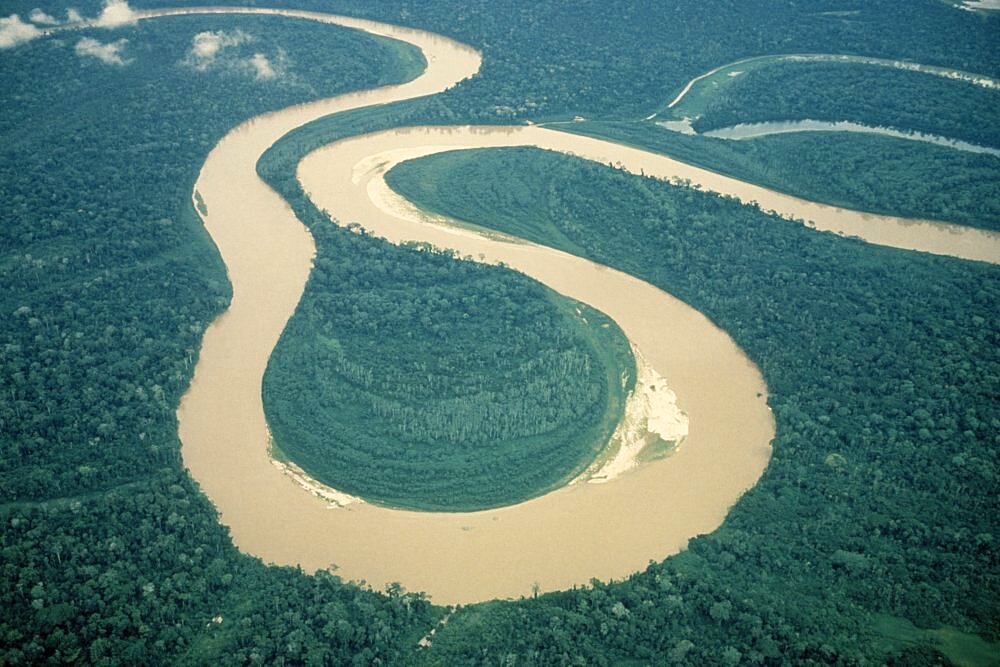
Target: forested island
{"type": "Point", "coordinates": [872, 538]}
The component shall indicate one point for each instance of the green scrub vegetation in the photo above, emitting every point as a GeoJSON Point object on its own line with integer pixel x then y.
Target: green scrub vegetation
{"type": "Point", "coordinates": [415, 380]}
{"type": "Point", "coordinates": [881, 368]}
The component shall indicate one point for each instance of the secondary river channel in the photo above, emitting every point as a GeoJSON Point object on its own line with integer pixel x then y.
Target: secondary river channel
{"type": "Point", "coordinates": [562, 539]}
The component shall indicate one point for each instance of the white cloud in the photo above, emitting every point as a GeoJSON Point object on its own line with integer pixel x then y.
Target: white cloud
{"type": "Point", "coordinates": [116, 13]}
{"type": "Point", "coordinates": [73, 16]}
{"type": "Point", "coordinates": [207, 51]}
{"type": "Point", "coordinates": [262, 67]}
{"type": "Point", "coordinates": [14, 31]}
{"type": "Point", "coordinates": [40, 17]}
{"type": "Point", "coordinates": [106, 53]}
{"type": "Point", "coordinates": [206, 46]}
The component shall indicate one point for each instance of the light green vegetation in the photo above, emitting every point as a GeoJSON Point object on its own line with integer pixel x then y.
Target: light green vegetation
{"type": "Point", "coordinates": [656, 448]}
{"type": "Point", "coordinates": [514, 219]}
{"type": "Point", "coordinates": [961, 648]}
{"type": "Point", "coordinates": [705, 90]}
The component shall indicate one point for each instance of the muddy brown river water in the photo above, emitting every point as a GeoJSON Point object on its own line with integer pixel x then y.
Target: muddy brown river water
{"type": "Point", "coordinates": [562, 539]}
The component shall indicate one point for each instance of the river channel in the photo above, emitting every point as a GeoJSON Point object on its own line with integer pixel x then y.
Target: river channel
{"type": "Point", "coordinates": [562, 539]}
{"type": "Point", "coordinates": [558, 540]}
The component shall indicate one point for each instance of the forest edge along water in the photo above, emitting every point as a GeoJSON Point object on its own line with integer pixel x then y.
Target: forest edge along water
{"type": "Point", "coordinates": [555, 541]}
{"type": "Point", "coordinates": [564, 538]}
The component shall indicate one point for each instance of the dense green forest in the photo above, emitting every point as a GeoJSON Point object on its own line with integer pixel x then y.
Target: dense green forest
{"type": "Point", "coordinates": [110, 553]}
{"type": "Point", "coordinates": [859, 171]}
{"type": "Point", "coordinates": [882, 368]}
{"type": "Point", "coordinates": [558, 58]}
{"type": "Point", "coordinates": [415, 380]}
{"type": "Point", "coordinates": [92, 367]}
{"type": "Point", "coordinates": [876, 96]}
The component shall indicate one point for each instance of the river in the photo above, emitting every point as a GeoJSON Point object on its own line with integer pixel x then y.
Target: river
{"type": "Point", "coordinates": [558, 540]}
{"type": "Point", "coordinates": [562, 539]}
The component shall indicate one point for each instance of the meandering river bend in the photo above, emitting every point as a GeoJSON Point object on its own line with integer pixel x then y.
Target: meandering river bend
{"type": "Point", "coordinates": [558, 540]}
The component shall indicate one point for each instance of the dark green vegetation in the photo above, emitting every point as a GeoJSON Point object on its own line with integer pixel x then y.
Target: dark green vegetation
{"type": "Point", "coordinates": [554, 59]}
{"type": "Point", "coordinates": [110, 277]}
{"type": "Point", "coordinates": [95, 550]}
{"type": "Point", "coordinates": [108, 552]}
{"type": "Point", "coordinates": [864, 172]}
{"type": "Point", "coordinates": [882, 367]}
{"type": "Point", "coordinates": [416, 380]}
{"type": "Point", "coordinates": [867, 94]}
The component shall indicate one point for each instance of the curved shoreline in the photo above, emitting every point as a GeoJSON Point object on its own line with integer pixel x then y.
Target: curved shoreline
{"type": "Point", "coordinates": [583, 530]}
{"type": "Point", "coordinates": [903, 233]}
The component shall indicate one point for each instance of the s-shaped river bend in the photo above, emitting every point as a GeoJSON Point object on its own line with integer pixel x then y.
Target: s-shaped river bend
{"type": "Point", "coordinates": [561, 539]}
